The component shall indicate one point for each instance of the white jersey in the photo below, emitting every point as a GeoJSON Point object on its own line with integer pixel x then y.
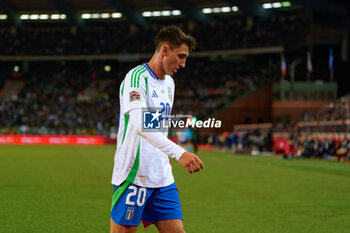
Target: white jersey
{"type": "Point", "coordinates": [136, 160]}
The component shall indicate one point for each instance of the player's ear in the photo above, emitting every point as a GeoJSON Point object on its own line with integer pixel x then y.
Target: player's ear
{"type": "Point", "coordinates": [165, 49]}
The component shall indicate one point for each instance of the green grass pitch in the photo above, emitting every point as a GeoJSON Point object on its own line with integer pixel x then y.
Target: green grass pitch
{"type": "Point", "coordinates": [67, 189]}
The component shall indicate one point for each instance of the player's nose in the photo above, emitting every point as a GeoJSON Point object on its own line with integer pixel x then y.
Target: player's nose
{"type": "Point", "coordinates": [182, 65]}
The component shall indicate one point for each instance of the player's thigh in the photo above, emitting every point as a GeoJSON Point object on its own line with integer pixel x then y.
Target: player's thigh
{"type": "Point", "coordinates": [117, 228]}
{"type": "Point", "coordinates": [170, 226]}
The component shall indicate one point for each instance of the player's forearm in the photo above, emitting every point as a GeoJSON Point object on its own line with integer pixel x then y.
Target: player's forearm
{"type": "Point", "coordinates": [157, 139]}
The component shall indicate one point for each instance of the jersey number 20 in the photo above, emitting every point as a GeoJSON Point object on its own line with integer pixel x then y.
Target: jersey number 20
{"type": "Point", "coordinates": [141, 197]}
{"type": "Point", "coordinates": [166, 109]}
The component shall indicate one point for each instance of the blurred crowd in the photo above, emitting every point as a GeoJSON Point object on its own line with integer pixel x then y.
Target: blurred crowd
{"type": "Point", "coordinates": [322, 134]}
{"type": "Point", "coordinates": [121, 37]}
{"type": "Point", "coordinates": [55, 100]}
{"type": "Point", "coordinates": [52, 101]}
{"type": "Point", "coordinates": [57, 116]}
{"type": "Point", "coordinates": [338, 110]}
{"type": "Point", "coordinates": [55, 97]}
{"type": "Point", "coordinates": [328, 146]}
{"type": "Point", "coordinates": [245, 141]}
{"type": "Point", "coordinates": [325, 146]}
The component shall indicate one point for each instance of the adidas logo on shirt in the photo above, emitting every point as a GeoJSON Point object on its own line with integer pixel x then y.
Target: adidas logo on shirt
{"type": "Point", "coordinates": [154, 94]}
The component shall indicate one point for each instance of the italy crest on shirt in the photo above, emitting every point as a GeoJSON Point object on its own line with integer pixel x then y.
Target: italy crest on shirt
{"type": "Point", "coordinates": [169, 94]}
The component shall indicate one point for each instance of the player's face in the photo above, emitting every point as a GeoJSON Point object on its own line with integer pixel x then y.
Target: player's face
{"type": "Point", "coordinates": [175, 59]}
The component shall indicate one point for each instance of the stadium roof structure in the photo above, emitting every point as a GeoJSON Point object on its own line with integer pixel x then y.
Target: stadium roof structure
{"type": "Point", "coordinates": [139, 11]}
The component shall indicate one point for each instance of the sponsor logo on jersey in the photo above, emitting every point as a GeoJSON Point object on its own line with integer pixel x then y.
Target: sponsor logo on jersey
{"type": "Point", "coordinates": [154, 94]}
{"type": "Point", "coordinates": [129, 213]}
{"type": "Point", "coordinates": [134, 95]}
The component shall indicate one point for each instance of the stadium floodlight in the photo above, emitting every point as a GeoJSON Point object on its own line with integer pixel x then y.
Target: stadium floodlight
{"type": "Point", "coordinates": [34, 17]}
{"type": "Point", "coordinates": [166, 13]}
{"type": "Point", "coordinates": [267, 5]}
{"type": "Point", "coordinates": [286, 4]}
{"type": "Point", "coordinates": [234, 8]}
{"type": "Point", "coordinates": [107, 68]}
{"type": "Point", "coordinates": [276, 5]}
{"type": "Point", "coordinates": [225, 9]}
{"type": "Point", "coordinates": [156, 13]}
{"type": "Point", "coordinates": [3, 17]}
{"type": "Point", "coordinates": [207, 10]}
{"type": "Point", "coordinates": [43, 16]}
{"type": "Point", "coordinates": [216, 10]}
{"type": "Point", "coordinates": [95, 16]}
{"type": "Point", "coordinates": [105, 15]}
{"type": "Point", "coordinates": [176, 12]}
{"type": "Point", "coordinates": [55, 16]}
{"type": "Point", "coordinates": [86, 16]}
{"type": "Point", "coordinates": [146, 14]}
{"type": "Point", "coordinates": [24, 17]}
{"type": "Point", "coordinates": [63, 16]}
{"type": "Point", "coordinates": [116, 15]}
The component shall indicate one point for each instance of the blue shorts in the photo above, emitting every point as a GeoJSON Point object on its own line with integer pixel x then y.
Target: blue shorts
{"type": "Point", "coordinates": [147, 204]}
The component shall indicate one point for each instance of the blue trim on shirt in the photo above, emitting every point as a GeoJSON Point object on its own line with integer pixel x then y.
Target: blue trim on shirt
{"type": "Point", "coordinates": [150, 71]}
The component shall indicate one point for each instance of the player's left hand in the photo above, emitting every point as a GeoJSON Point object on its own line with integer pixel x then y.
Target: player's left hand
{"type": "Point", "coordinates": [191, 162]}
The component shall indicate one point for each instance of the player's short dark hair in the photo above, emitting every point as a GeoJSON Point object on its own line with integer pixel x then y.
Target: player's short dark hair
{"type": "Point", "coordinates": [175, 37]}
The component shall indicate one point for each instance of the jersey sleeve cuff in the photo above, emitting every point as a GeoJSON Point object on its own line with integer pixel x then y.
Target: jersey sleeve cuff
{"type": "Point", "coordinates": [177, 154]}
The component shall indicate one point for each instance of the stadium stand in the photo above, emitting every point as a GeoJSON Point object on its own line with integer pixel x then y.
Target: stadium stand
{"type": "Point", "coordinates": [111, 39]}
{"type": "Point", "coordinates": [77, 98]}
{"type": "Point", "coordinates": [54, 80]}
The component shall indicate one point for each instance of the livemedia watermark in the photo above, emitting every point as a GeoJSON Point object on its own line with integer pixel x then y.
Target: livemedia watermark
{"type": "Point", "coordinates": [159, 120]}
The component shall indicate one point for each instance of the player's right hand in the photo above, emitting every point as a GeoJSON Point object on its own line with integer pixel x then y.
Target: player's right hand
{"type": "Point", "coordinates": [191, 162]}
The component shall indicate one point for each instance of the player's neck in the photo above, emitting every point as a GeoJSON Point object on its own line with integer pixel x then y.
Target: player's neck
{"type": "Point", "coordinates": [156, 67]}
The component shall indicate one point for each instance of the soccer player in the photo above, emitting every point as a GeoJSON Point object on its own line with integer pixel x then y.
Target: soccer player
{"type": "Point", "coordinates": [144, 187]}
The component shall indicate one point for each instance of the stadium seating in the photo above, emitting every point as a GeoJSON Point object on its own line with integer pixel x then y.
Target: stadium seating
{"type": "Point", "coordinates": [80, 98]}
{"type": "Point", "coordinates": [113, 38]}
